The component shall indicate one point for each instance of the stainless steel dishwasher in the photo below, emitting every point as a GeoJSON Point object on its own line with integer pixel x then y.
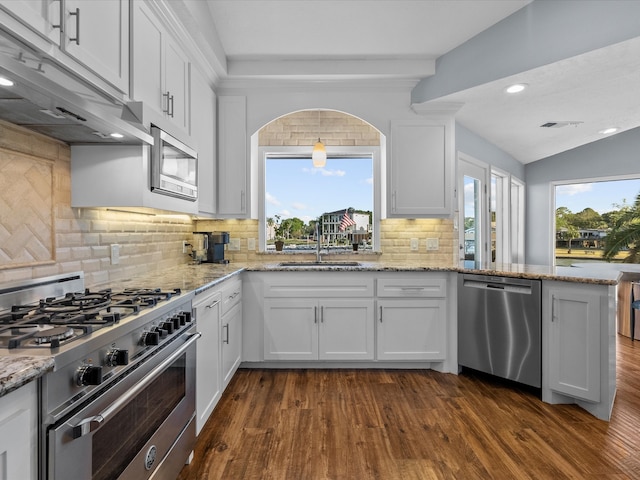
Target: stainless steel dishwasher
{"type": "Point", "coordinates": [499, 327]}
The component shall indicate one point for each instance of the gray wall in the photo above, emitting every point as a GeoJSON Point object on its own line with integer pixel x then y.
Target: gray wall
{"type": "Point", "coordinates": [480, 149]}
{"type": "Point", "coordinates": [613, 157]}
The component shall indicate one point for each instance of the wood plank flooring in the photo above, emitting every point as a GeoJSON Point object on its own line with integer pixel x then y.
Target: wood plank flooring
{"type": "Point", "coordinates": [412, 424]}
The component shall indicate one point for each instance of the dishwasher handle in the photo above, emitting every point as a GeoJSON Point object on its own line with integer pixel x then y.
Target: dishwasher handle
{"type": "Point", "coordinates": [502, 287]}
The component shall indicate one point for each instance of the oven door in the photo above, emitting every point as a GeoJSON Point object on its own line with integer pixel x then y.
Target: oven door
{"type": "Point", "coordinates": [142, 427]}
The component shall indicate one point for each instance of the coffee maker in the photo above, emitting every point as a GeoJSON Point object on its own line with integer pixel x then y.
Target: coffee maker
{"type": "Point", "coordinates": [212, 250]}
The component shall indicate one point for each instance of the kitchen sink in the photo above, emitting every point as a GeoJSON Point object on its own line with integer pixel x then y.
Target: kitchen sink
{"type": "Point", "coordinates": [319, 264]}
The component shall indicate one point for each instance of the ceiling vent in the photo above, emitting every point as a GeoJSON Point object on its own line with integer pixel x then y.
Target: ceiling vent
{"type": "Point", "coordinates": [560, 124]}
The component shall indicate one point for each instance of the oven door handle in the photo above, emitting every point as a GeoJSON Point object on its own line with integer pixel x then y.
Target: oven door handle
{"type": "Point", "coordinates": [90, 424]}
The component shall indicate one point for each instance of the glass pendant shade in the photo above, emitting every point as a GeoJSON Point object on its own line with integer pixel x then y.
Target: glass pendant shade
{"type": "Point", "coordinates": [319, 155]}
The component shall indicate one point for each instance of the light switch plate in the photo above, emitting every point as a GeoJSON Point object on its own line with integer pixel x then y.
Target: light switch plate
{"type": "Point", "coordinates": [432, 244]}
{"type": "Point", "coordinates": [414, 244]}
{"type": "Point", "coordinates": [234, 244]}
{"type": "Point", "coordinates": [251, 244]}
{"type": "Point", "coordinates": [115, 254]}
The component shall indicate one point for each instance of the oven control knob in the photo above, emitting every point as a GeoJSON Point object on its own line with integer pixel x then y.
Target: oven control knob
{"type": "Point", "coordinates": [115, 357]}
{"type": "Point", "coordinates": [187, 316]}
{"type": "Point", "coordinates": [150, 338]}
{"type": "Point", "coordinates": [89, 375]}
{"type": "Point", "coordinates": [162, 332]}
{"type": "Point", "coordinates": [182, 318]}
{"type": "Point", "coordinates": [168, 326]}
{"type": "Point", "coordinates": [176, 322]}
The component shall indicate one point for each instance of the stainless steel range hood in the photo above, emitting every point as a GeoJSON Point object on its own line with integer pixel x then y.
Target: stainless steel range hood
{"type": "Point", "coordinates": [51, 101]}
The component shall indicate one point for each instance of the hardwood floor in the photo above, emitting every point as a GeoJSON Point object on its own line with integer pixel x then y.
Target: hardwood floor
{"type": "Point", "coordinates": [412, 424]}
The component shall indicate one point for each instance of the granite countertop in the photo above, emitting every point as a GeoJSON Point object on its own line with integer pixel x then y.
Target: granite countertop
{"type": "Point", "coordinates": [609, 274]}
{"type": "Point", "coordinates": [18, 371]}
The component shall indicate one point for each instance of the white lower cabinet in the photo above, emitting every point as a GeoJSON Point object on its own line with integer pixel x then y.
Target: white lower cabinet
{"type": "Point", "coordinates": [208, 384]}
{"type": "Point", "coordinates": [572, 322]}
{"type": "Point", "coordinates": [318, 329]}
{"type": "Point", "coordinates": [412, 329]}
{"type": "Point", "coordinates": [231, 341]}
{"type": "Point", "coordinates": [18, 433]}
{"type": "Point", "coordinates": [219, 351]}
{"type": "Point", "coordinates": [231, 329]}
{"type": "Point", "coordinates": [411, 319]}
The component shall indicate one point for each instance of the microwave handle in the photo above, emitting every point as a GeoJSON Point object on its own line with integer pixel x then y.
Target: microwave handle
{"type": "Point", "coordinates": [90, 424]}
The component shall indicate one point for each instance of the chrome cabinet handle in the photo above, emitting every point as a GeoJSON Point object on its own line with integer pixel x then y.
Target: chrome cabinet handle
{"type": "Point", "coordinates": [77, 15]}
{"type": "Point", "coordinates": [60, 13]}
{"type": "Point", "coordinates": [216, 302]}
{"type": "Point", "coordinates": [322, 314]}
{"type": "Point", "coordinates": [168, 110]}
{"type": "Point", "coordinates": [380, 313]}
{"type": "Point", "coordinates": [315, 314]}
{"type": "Point", "coordinates": [90, 424]}
{"type": "Point", "coordinates": [226, 340]}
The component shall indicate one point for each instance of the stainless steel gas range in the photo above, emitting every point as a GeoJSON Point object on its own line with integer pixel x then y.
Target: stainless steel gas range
{"type": "Point", "coordinates": [120, 402]}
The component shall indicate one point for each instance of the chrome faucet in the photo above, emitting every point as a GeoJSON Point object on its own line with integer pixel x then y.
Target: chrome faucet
{"type": "Point", "coordinates": [318, 257]}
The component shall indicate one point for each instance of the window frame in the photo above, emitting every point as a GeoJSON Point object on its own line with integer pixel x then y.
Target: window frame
{"type": "Point", "coordinates": [305, 151]}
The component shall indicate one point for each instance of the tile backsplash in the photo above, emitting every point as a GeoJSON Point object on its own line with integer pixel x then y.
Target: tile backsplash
{"type": "Point", "coordinates": [71, 239]}
{"type": "Point", "coordinates": [80, 239]}
{"type": "Point", "coordinates": [395, 240]}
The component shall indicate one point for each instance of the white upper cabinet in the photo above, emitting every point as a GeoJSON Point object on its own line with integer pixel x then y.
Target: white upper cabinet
{"type": "Point", "coordinates": [232, 157]}
{"type": "Point", "coordinates": [421, 171]}
{"type": "Point", "coordinates": [203, 106]}
{"type": "Point", "coordinates": [96, 34]}
{"type": "Point", "coordinates": [41, 16]}
{"type": "Point", "coordinates": [88, 38]}
{"type": "Point", "coordinates": [161, 70]}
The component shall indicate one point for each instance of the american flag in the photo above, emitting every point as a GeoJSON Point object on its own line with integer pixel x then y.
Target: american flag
{"type": "Point", "coordinates": [346, 221]}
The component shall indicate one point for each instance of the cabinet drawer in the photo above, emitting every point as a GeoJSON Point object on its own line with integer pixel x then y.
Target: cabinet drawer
{"type": "Point", "coordinates": [231, 295]}
{"type": "Point", "coordinates": [309, 285]}
{"type": "Point", "coordinates": [422, 287]}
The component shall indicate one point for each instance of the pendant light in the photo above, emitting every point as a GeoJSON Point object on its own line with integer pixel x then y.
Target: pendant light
{"type": "Point", "coordinates": [319, 155]}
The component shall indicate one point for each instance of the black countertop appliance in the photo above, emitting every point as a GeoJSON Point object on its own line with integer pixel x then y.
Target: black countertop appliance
{"type": "Point", "coordinates": [213, 245]}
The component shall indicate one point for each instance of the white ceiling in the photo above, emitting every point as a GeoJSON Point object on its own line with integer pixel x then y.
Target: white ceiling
{"type": "Point", "coordinates": [401, 39]}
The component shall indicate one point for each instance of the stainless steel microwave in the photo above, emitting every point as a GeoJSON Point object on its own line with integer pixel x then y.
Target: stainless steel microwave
{"type": "Point", "coordinates": [174, 166]}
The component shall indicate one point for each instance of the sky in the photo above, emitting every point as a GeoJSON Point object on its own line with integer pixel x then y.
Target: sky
{"type": "Point", "coordinates": [600, 196]}
{"type": "Point", "coordinates": [294, 188]}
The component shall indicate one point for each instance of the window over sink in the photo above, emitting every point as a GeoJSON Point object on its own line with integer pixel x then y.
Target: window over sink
{"type": "Point", "coordinates": [295, 195]}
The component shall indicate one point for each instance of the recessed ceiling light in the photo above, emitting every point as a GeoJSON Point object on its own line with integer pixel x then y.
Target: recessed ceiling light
{"type": "Point", "coordinates": [609, 130]}
{"type": "Point", "coordinates": [516, 88]}
{"type": "Point", "coordinates": [116, 135]}
{"type": "Point", "coordinates": [5, 82]}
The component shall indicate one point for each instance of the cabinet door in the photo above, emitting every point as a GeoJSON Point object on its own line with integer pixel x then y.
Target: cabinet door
{"type": "Point", "coordinates": [232, 156]}
{"type": "Point", "coordinates": [231, 333]}
{"type": "Point", "coordinates": [412, 329]}
{"type": "Point", "coordinates": [208, 369]}
{"type": "Point", "coordinates": [203, 106]}
{"type": "Point", "coordinates": [18, 427]}
{"type": "Point", "coordinates": [573, 336]}
{"type": "Point", "coordinates": [38, 15]}
{"type": "Point", "coordinates": [97, 34]}
{"type": "Point", "coordinates": [346, 329]}
{"type": "Point", "coordinates": [176, 87]}
{"type": "Point", "coordinates": [421, 172]}
{"type": "Point", "coordinates": [148, 64]}
{"type": "Point", "coordinates": [290, 329]}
